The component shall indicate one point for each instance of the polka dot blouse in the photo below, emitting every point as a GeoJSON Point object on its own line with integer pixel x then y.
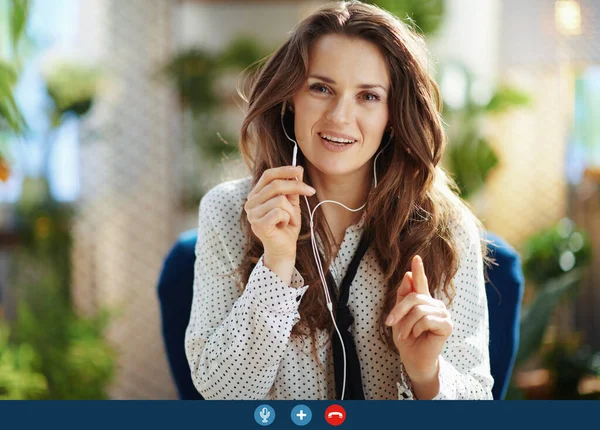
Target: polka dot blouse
{"type": "Point", "coordinates": [238, 344]}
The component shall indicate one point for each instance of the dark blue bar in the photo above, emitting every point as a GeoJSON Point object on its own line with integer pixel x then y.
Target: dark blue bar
{"type": "Point", "coordinates": [364, 415]}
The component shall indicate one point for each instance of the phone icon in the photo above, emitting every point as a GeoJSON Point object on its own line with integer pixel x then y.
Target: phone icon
{"type": "Point", "coordinates": [335, 415]}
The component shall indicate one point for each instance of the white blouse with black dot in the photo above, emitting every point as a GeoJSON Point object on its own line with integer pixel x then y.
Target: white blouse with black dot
{"type": "Point", "coordinates": [238, 344]}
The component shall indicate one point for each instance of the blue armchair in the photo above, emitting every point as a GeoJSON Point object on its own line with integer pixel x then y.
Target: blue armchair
{"type": "Point", "coordinates": [504, 292]}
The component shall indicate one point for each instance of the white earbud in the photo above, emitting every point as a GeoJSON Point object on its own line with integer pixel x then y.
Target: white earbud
{"type": "Point", "coordinates": [312, 235]}
{"type": "Point", "coordinates": [295, 153]}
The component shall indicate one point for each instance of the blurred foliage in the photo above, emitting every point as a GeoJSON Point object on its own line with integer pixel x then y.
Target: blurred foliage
{"type": "Point", "coordinates": [11, 118]}
{"type": "Point", "coordinates": [427, 15]}
{"type": "Point", "coordinates": [570, 363]}
{"type": "Point", "coordinates": [18, 13]}
{"type": "Point", "coordinates": [536, 316]}
{"type": "Point", "coordinates": [44, 228]}
{"type": "Point", "coordinates": [554, 251]}
{"type": "Point", "coordinates": [70, 350]}
{"type": "Point", "coordinates": [196, 74]}
{"type": "Point", "coordinates": [48, 352]}
{"type": "Point", "coordinates": [18, 378]}
{"type": "Point", "coordinates": [72, 88]}
{"type": "Point", "coordinates": [200, 77]}
{"type": "Point", "coordinates": [241, 53]}
{"type": "Point", "coordinates": [554, 260]}
{"type": "Point", "coordinates": [470, 156]}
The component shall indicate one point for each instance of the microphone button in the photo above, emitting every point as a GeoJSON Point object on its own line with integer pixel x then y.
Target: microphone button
{"type": "Point", "coordinates": [264, 415]}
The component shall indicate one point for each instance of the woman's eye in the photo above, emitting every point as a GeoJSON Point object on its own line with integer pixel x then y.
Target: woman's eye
{"type": "Point", "coordinates": [371, 97]}
{"type": "Point", "coordinates": [319, 88]}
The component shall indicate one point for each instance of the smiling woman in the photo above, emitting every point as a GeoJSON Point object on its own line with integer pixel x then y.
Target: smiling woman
{"type": "Point", "coordinates": [380, 295]}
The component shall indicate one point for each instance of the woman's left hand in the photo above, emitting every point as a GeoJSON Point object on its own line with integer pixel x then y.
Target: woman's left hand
{"type": "Point", "coordinates": [420, 325]}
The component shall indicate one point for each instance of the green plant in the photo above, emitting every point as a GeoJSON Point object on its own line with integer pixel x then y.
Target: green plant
{"type": "Point", "coordinates": [196, 74]}
{"type": "Point", "coordinates": [11, 118]}
{"type": "Point", "coordinates": [72, 87]}
{"type": "Point", "coordinates": [553, 263]}
{"type": "Point", "coordinates": [554, 251]}
{"type": "Point", "coordinates": [68, 349]}
{"type": "Point", "coordinates": [18, 378]}
{"type": "Point", "coordinates": [48, 352]}
{"type": "Point", "coordinates": [470, 157]}
{"type": "Point", "coordinates": [570, 362]}
{"type": "Point", "coordinates": [427, 15]}
{"type": "Point", "coordinates": [193, 73]}
{"type": "Point", "coordinates": [537, 314]}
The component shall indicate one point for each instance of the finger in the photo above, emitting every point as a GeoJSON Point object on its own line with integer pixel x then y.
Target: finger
{"type": "Point", "coordinates": [294, 199]}
{"type": "Point", "coordinates": [290, 188]}
{"type": "Point", "coordinates": [420, 280]}
{"type": "Point", "coordinates": [269, 175]}
{"type": "Point", "coordinates": [403, 307]}
{"type": "Point", "coordinates": [406, 324]}
{"type": "Point", "coordinates": [276, 202]}
{"type": "Point", "coordinates": [405, 288]}
{"type": "Point", "coordinates": [433, 324]}
{"type": "Point", "coordinates": [276, 217]}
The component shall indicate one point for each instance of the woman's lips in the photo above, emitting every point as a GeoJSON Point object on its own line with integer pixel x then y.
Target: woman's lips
{"type": "Point", "coordinates": [334, 147]}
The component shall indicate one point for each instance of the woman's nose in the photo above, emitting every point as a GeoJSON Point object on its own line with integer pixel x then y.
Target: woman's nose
{"type": "Point", "coordinates": [340, 111]}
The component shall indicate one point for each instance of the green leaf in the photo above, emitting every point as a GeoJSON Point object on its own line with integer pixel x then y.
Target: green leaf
{"type": "Point", "coordinates": [18, 18]}
{"type": "Point", "coordinates": [471, 159]}
{"type": "Point", "coordinates": [553, 251]}
{"type": "Point", "coordinates": [242, 52]}
{"type": "Point", "coordinates": [194, 74]}
{"type": "Point", "coordinates": [10, 115]}
{"type": "Point", "coordinates": [72, 88]}
{"type": "Point", "coordinates": [506, 98]}
{"type": "Point", "coordinates": [535, 318]}
{"type": "Point", "coordinates": [427, 15]}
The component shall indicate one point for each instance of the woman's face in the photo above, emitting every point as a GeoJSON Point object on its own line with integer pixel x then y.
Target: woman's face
{"type": "Point", "coordinates": [343, 99]}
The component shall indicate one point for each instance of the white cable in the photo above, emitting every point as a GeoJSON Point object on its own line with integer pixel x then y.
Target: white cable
{"type": "Point", "coordinates": [313, 240]}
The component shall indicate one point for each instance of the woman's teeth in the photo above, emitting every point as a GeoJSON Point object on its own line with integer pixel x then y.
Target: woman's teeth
{"type": "Point", "coordinates": [337, 140]}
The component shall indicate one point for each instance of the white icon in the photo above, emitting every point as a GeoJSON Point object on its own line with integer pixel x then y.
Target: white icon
{"type": "Point", "coordinates": [335, 414]}
{"type": "Point", "coordinates": [264, 414]}
{"type": "Point", "coordinates": [301, 415]}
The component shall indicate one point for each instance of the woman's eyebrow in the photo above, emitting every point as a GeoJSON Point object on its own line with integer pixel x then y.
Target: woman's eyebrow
{"type": "Point", "coordinates": [362, 86]}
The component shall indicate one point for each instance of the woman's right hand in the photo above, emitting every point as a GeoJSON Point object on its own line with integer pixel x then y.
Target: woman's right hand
{"type": "Point", "coordinates": [273, 210]}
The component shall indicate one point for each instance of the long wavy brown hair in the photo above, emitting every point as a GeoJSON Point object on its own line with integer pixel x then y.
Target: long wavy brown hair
{"type": "Point", "coordinates": [417, 198]}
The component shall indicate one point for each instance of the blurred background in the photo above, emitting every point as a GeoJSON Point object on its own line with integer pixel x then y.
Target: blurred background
{"type": "Point", "coordinates": [116, 116]}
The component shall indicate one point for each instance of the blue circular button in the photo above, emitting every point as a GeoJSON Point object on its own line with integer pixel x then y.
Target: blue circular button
{"type": "Point", "coordinates": [301, 415]}
{"type": "Point", "coordinates": [264, 415]}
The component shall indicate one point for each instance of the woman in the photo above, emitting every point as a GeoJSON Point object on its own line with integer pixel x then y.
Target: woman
{"type": "Point", "coordinates": [409, 318]}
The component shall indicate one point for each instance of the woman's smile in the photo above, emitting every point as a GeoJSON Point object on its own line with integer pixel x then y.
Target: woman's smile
{"type": "Point", "coordinates": [336, 144]}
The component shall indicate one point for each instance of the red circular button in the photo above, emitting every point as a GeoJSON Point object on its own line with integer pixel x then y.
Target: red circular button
{"type": "Point", "coordinates": [335, 415]}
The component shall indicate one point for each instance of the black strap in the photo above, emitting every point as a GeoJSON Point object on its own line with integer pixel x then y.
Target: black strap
{"type": "Point", "coordinates": [344, 320]}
